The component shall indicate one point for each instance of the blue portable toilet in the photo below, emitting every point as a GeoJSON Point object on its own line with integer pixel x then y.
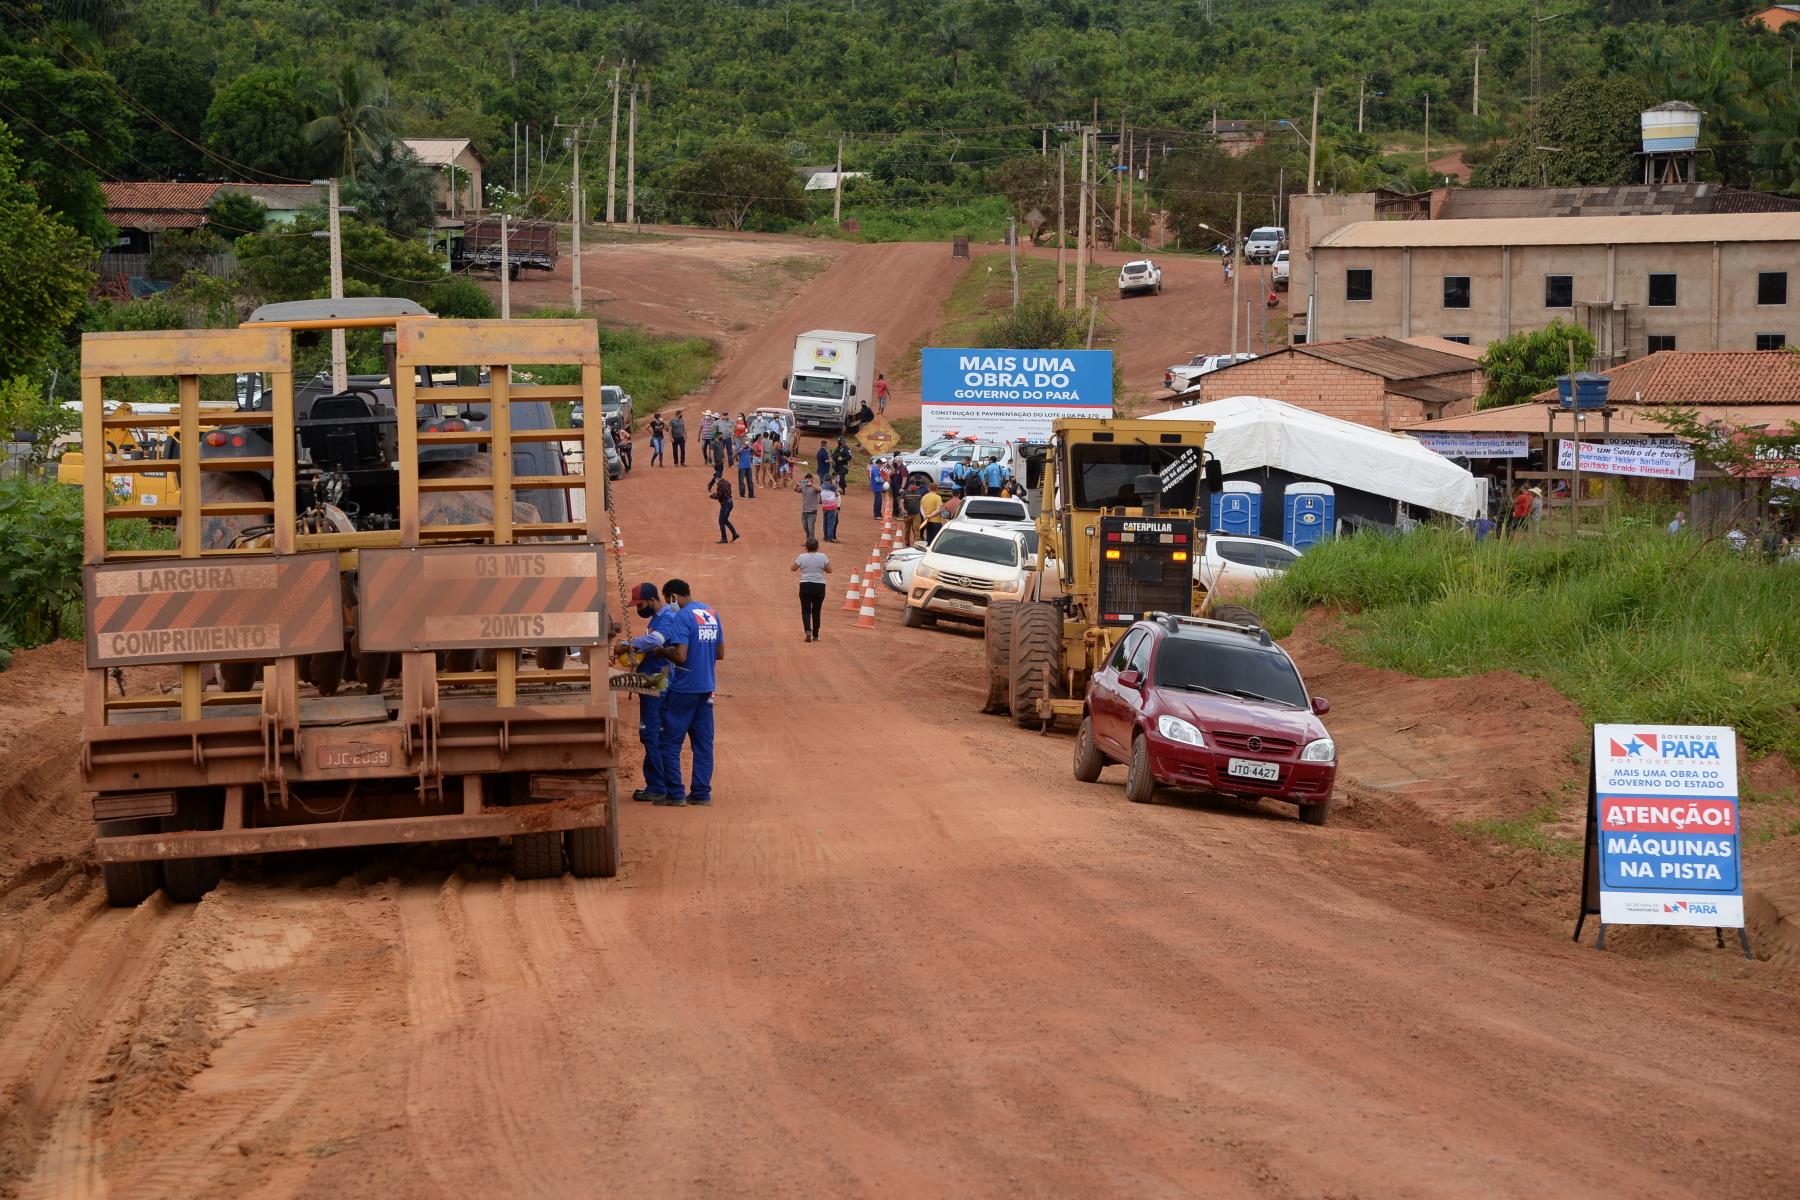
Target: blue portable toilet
{"type": "Point", "coordinates": [1308, 514]}
{"type": "Point", "coordinates": [1237, 508]}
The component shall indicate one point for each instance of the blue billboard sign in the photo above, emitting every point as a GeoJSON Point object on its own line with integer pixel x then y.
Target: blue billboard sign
{"type": "Point", "coordinates": [1011, 394]}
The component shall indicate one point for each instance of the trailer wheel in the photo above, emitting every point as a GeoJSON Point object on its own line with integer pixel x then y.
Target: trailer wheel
{"type": "Point", "coordinates": [372, 670]}
{"type": "Point", "coordinates": [325, 672]}
{"type": "Point", "coordinates": [537, 855]}
{"type": "Point", "coordinates": [1237, 614]}
{"type": "Point", "coordinates": [594, 850]}
{"type": "Point", "coordinates": [239, 676]}
{"type": "Point", "coordinates": [129, 884]}
{"type": "Point", "coordinates": [997, 651]}
{"type": "Point", "coordinates": [188, 879]}
{"type": "Point", "coordinates": [552, 658]}
{"type": "Point", "coordinates": [1035, 660]}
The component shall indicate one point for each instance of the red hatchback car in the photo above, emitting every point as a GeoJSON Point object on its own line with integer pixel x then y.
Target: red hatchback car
{"type": "Point", "coordinates": [1208, 706]}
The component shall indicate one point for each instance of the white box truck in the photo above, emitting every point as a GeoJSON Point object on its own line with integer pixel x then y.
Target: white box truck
{"type": "Point", "coordinates": [833, 376]}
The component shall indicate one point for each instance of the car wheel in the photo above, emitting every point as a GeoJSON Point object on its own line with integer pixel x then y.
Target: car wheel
{"type": "Point", "coordinates": [1088, 759]}
{"type": "Point", "coordinates": [1316, 814]}
{"type": "Point", "coordinates": [1140, 785]}
{"type": "Point", "coordinates": [912, 618]}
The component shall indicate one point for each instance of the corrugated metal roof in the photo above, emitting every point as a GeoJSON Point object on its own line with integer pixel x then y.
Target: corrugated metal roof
{"type": "Point", "coordinates": [279, 195]}
{"type": "Point", "coordinates": [1445, 346]}
{"type": "Point", "coordinates": [1534, 418]}
{"type": "Point", "coordinates": [1387, 357]}
{"type": "Point", "coordinates": [1706, 377]}
{"type": "Point", "coordinates": [441, 151]}
{"type": "Point", "coordinates": [1567, 231]}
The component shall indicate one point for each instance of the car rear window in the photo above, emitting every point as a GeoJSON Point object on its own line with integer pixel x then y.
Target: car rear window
{"type": "Point", "coordinates": [994, 510]}
{"type": "Point", "coordinates": [1001, 552]}
{"type": "Point", "coordinates": [1249, 670]}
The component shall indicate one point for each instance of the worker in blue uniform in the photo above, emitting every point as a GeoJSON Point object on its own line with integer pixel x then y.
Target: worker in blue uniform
{"type": "Point", "coordinates": [662, 618]}
{"type": "Point", "coordinates": [696, 644]}
{"type": "Point", "coordinates": [994, 475]}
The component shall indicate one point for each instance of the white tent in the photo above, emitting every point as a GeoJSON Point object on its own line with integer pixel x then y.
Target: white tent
{"type": "Point", "coordinates": [1251, 432]}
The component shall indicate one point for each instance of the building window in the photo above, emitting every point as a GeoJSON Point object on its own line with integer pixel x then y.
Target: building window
{"type": "Point", "coordinates": [1359, 284]}
{"type": "Point", "coordinates": [1660, 341]}
{"type": "Point", "coordinates": [1771, 287]}
{"type": "Point", "coordinates": [1457, 337]}
{"type": "Point", "coordinates": [1771, 341]}
{"type": "Point", "coordinates": [1559, 291]}
{"type": "Point", "coordinates": [1662, 291]}
{"type": "Point", "coordinates": [1456, 291]}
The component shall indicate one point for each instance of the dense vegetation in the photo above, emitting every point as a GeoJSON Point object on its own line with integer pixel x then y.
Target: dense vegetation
{"type": "Point", "coordinates": [1634, 626]}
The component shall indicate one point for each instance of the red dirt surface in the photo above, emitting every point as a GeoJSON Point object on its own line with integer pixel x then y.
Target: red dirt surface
{"type": "Point", "coordinates": [905, 953]}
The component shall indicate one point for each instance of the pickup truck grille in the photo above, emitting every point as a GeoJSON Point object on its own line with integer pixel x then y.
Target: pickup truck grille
{"type": "Point", "coordinates": [968, 582]}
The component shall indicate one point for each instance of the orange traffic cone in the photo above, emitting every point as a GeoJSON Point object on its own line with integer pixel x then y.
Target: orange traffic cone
{"type": "Point", "coordinates": [853, 598]}
{"type": "Point", "coordinates": [865, 619]}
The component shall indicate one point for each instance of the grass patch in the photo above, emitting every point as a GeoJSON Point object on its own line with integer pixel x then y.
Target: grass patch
{"type": "Point", "coordinates": [775, 271]}
{"type": "Point", "coordinates": [985, 290]}
{"type": "Point", "coordinates": [980, 221]}
{"type": "Point", "coordinates": [1633, 626]}
{"type": "Point", "coordinates": [654, 369]}
{"type": "Point", "coordinates": [1526, 832]}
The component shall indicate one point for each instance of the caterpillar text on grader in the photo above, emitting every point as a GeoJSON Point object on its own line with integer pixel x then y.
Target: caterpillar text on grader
{"type": "Point", "coordinates": [1123, 514]}
{"type": "Point", "coordinates": [281, 587]}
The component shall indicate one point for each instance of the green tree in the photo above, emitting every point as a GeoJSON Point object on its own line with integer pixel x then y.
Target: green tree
{"type": "Point", "coordinates": [1029, 184]}
{"type": "Point", "coordinates": [255, 121]}
{"type": "Point", "coordinates": [232, 214]}
{"type": "Point", "coordinates": [47, 265]}
{"type": "Point", "coordinates": [179, 251]}
{"type": "Point", "coordinates": [730, 182]}
{"type": "Point", "coordinates": [394, 189]}
{"type": "Point", "coordinates": [356, 116]}
{"type": "Point", "coordinates": [176, 86]}
{"type": "Point", "coordinates": [70, 124]}
{"type": "Point", "coordinates": [462, 298]}
{"type": "Point", "coordinates": [1519, 367]}
{"type": "Point", "coordinates": [390, 46]}
{"type": "Point", "coordinates": [1592, 128]}
{"type": "Point", "coordinates": [291, 264]}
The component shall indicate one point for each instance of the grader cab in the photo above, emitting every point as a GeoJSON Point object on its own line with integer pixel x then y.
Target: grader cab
{"type": "Point", "coordinates": [1123, 515]}
{"type": "Point", "coordinates": [213, 728]}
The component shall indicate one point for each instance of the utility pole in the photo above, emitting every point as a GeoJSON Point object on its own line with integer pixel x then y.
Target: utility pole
{"type": "Point", "coordinates": [505, 268]}
{"type": "Point", "coordinates": [1118, 181]}
{"type": "Point", "coordinates": [515, 154]}
{"type": "Point", "coordinates": [1475, 107]}
{"type": "Point", "coordinates": [1044, 142]}
{"type": "Point", "coordinates": [1428, 133]}
{"type": "Point", "coordinates": [528, 158]}
{"type": "Point", "coordinates": [1012, 242]}
{"type": "Point", "coordinates": [1130, 186]}
{"type": "Point", "coordinates": [1062, 208]}
{"type": "Point", "coordinates": [1237, 271]}
{"type": "Point", "coordinates": [1312, 148]}
{"type": "Point", "coordinates": [612, 161]}
{"type": "Point", "coordinates": [1094, 196]}
{"type": "Point", "coordinates": [837, 195]}
{"type": "Point", "coordinates": [1361, 80]}
{"type": "Point", "coordinates": [339, 361]}
{"type": "Point", "coordinates": [1081, 227]}
{"type": "Point", "coordinates": [631, 163]}
{"type": "Point", "coordinates": [579, 206]}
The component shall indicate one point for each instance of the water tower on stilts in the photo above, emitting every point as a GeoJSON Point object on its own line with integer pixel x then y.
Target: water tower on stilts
{"type": "Point", "coordinates": [1671, 138]}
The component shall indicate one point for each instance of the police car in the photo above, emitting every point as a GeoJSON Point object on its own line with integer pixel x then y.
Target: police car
{"type": "Point", "coordinates": [934, 462]}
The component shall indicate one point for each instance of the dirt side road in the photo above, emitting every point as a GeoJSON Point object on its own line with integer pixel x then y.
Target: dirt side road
{"type": "Point", "coordinates": [904, 954]}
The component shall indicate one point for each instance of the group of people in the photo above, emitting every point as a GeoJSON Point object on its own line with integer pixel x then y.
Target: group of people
{"type": "Point", "coordinates": [1527, 508]}
{"type": "Point", "coordinates": [685, 641]}
{"type": "Point", "coordinates": [671, 434]}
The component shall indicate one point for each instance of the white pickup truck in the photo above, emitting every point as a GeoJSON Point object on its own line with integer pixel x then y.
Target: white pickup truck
{"type": "Point", "coordinates": [1263, 243]}
{"type": "Point", "coordinates": [1182, 377]}
{"type": "Point", "coordinates": [1282, 268]}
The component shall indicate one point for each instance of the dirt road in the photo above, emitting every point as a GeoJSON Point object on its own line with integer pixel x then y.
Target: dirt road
{"type": "Point", "coordinates": [904, 954]}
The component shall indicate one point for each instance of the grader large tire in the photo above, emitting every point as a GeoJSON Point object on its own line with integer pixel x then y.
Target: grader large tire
{"type": "Point", "coordinates": [129, 884]}
{"type": "Point", "coordinates": [997, 653]}
{"type": "Point", "coordinates": [1034, 660]}
{"type": "Point", "coordinates": [465, 508]}
{"type": "Point", "coordinates": [1237, 614]}
{"type": "Point", "coordinates": [217, 533]}
{"type": "Point", "coordinates": [594, 850]}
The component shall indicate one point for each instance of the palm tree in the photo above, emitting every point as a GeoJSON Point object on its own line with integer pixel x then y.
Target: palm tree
{"type": "Point", "coordinates": [640, 45]}
{"type": "Point", "coordinates": [390, 46]}
{"type": "Point", "coordinates": [1043, 86]}
{"type": "Point", "coordinates": [354, 116]}
{"type": "Point", "coordinates": [954, 37]}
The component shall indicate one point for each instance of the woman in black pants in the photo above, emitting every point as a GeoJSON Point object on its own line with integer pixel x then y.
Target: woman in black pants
{"type": "Point", "coordinates": [813, 568]}
{"type": "Point", "coordinates": [721, 491]}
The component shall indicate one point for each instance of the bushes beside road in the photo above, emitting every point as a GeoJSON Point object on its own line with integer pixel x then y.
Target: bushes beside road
{"type": "Point", "coordinates": [1636, 626]}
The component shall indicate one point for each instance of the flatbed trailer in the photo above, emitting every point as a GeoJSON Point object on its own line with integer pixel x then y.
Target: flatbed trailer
{"type": "Point", "coordinates": [530, 245]}
{"type": "Point", "coordinates": [497, 747]}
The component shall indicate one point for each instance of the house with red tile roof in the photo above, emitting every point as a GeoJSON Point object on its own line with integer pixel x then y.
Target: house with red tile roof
{"type": "Point", "coordinates": [1743, 387]}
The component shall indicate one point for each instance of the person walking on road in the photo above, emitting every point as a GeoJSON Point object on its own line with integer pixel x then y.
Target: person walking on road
{"type": "Point", "coordinates": [809, 506]}
{"type": "Point", "coordinates": [662, 618]}
{"type": "Point", "coordinates": [897, 485]}
{"type": "Point", "coordinates": [813, 567]}
{"type": "Point", "coordinates": [823, 457]}
{"type": "Point", "coordinates": [881, 393]}
{"type": "Point", "coordinates": [840, 464]}
{"type": "Point", "coordinates": [696, 645]}
{"type": "Point", "coordinates": [720, 491]}
{"type": "Point", "coordinates": [746, 476]}
{"type": "Point", "coordinates": [622, 443]}
{"type": "Point", "coordinates": [878, 484]}
{"type": "Point", "coordinates": [678, 439]}
{"type": "Point", "coordinates": [706, 437]}
{"type": "Point", "coordinates": [658, 431]}
{"type": "Point", "coordinates": [828, 507]}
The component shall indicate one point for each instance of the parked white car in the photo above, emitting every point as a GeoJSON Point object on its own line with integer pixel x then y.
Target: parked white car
{"type": "Point", "coordinates": [1263, 242]}
{"type": "Point", "coordinates": [1183, 376]}
{"type": "Point", "coordinates": [1282, 267]}
{"type": "Point", "coordinates": [1230, 566]}
{"type": "Point", "coordinates": [1140, 275]}
{"type": "Point", "coordinates": [933, 461]}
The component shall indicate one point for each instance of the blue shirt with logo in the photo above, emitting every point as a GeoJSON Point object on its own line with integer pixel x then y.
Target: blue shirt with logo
{"type": "Point", "coordinates": [697, 627]}
{"type": "Point", "coordinates": [995, 474]}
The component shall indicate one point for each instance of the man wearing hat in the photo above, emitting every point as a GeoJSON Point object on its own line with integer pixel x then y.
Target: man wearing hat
{"type": "Point", "coordinates": [653, 645]}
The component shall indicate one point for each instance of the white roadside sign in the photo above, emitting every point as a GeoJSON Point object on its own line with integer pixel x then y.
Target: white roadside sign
{"type": "Point", "coordinates": [1627, 458]}
{"type": "Point", "coordinates": [1476, 445]}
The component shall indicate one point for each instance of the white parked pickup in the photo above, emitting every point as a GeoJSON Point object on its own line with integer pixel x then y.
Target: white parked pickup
{"type": "Point", "coordinates": [1183, 376]}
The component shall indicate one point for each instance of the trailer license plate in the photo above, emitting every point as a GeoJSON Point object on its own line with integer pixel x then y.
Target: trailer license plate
{"type": "Point", "coordinates": [1246, 768]}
